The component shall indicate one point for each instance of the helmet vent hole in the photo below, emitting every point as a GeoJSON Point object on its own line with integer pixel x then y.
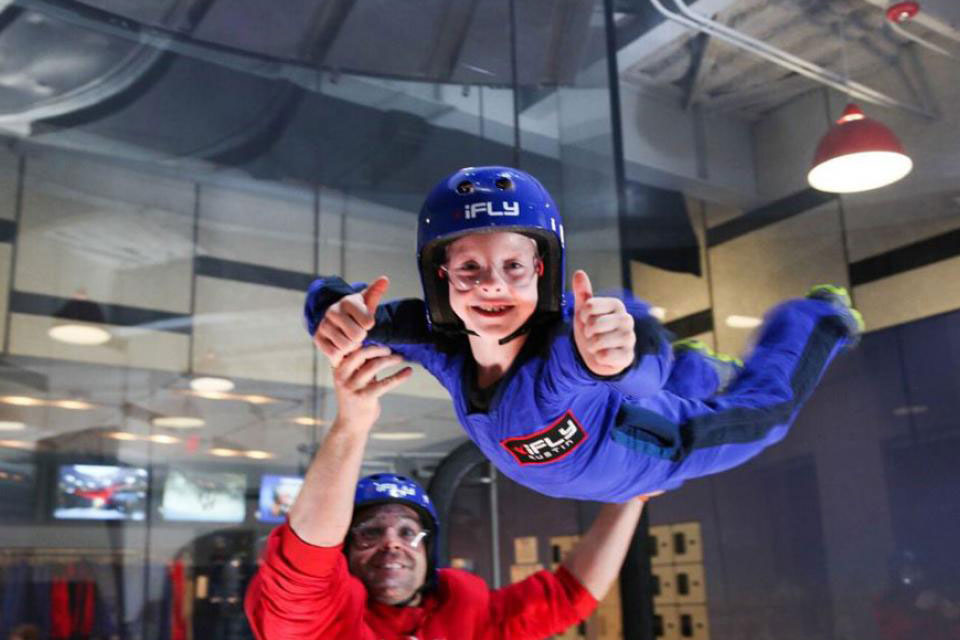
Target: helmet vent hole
{"type": "Point", "coordinates": [465, 187]}
{"type": "Point", "coordinates": [504, 183]}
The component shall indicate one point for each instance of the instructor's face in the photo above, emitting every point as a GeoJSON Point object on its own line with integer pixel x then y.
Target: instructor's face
{"type": "Point", "coordinates": [387, 554]}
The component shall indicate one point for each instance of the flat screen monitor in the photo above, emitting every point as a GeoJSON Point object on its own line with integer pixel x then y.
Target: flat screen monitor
{"type": "Point", "coordinates": [101, 492]}
{"type": "Point", "coordinates": [277, 494]}
{"type": "Point", "coordinates": [205, 496]}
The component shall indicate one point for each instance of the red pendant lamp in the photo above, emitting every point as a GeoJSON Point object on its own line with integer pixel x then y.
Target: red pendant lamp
{"type": "Point", "coordinates": [858, 154]}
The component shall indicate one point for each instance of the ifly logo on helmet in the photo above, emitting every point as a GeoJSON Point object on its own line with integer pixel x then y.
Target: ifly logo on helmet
{"type": "Point", "coordinates": [394, 490]}
{"type": "Point", "coordinates": [471, 210]}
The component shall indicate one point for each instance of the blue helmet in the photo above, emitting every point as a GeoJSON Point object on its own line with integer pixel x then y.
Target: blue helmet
{"type": "Point", "coordinates": [390, 488]}
{"type": "Point", "coordinates": [485, 199]}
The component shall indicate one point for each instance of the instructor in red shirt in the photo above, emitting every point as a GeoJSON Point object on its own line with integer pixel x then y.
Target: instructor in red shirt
{"type": "Point", "coordinates": [357, 561]}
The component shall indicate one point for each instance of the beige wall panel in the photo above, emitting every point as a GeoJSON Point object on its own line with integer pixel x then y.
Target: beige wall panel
{"type": "Point", "coordinates": [678, 294]}
{"type": "Point", "coordinates": [9, 177]}
{"type": "Point", "coordinates": [263, 229]}
{"type": "Point", "coordinates": [910, 295]}
{"type": "Point", "coordinates": [754, 272]}
{"type": "Point", "coordinates": [716, 213]}
{"type": "Point", "coordinates": [690, 583]}
{"type": "Point", "coordinates": [693, 622]}
{"type": "Point", "coordinates": [329, 254]}
{"type": "Point", "coordinates": [665, 575]}
{"type": "Point", "coordinates": [382, 241]}
{"type": "Point", "coordinates": [250, 331]}
{"type": "Point", "coordinates": [662, 541]}
{"type": "Point", "coordinates": [687, 542]}
{"type": "Point", "coordinates": [525, 550]}
{"type": "Point", "coordinates": [161, 350]}
{"type": "Point", "coordinates": [669, 622]}
{"type": "Point", "coordinates": [90, 177]}
{"type": "Point", "coordinates": [117, 252]}
{"type": "Point", "coordinates": [878, 221]}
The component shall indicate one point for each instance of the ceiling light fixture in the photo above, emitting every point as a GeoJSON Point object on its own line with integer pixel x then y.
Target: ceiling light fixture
{"type": "Point", "coordinates": [178, 422]}
{"type": "Point", "coordinates": [74, 405]}
{"type": "Point", "coordinates": [76, 322]}
{"type": "Point", "coordinates": [123, 435]}
{"type": "Point", "coordinates": [259, 455]}
{"type": "Point", "coordinates": [224, 453]}
{"type": "Point", "coordinates": [160, 438]}
{"type": "Point", "coordinates": [398, 435]}
{"type": "Point", "coordinates": [18, 444]}
{"type": "Point", "coordinates": [742, 322]}
{"type": "Point", "coordinates": [10, 425]}
{"type": "Point", "coordinates": [858, 154]}
{"type": "Point", "coordinates": [307, 421]}
{"type": "Point", "coordinates": [209, 384]}
{"type": "Point", "coordinates": [22, 401]}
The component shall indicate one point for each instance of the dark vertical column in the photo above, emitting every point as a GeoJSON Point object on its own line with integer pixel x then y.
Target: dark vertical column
{"type": "Point", "coordinates": [635, 580]}
{"type": "Point", "coordinates": [616, 127]}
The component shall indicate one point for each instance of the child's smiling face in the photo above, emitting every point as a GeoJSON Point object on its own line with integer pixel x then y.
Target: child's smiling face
{"type": "Point", "coordinates": [492, 280]}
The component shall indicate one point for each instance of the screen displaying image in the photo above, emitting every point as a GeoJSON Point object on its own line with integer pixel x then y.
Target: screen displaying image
{"type": "Point", "coordinates": [207, 496]}
{"type": "Point", "coordinates": [101, 492]}
{"type": "Point", "coordinates": [277, 494]}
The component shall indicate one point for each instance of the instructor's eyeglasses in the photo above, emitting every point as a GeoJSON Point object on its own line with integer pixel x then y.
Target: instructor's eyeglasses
{"type": "Point", "coordinates": [368, 535]}
{"type": "Point", "coordinates": [515, 273]}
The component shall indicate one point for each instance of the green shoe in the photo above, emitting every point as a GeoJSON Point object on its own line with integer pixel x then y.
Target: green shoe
{"type": "Point", "coordinates": [726, 367]}
{"type": "Point", "coordinates": [839, 299]}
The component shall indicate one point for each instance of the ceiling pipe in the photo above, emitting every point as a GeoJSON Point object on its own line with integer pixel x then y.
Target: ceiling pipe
{"type": "Point", "coordinates": [698, 22]}
{"type": "Point", "coordinates": [902, 12]}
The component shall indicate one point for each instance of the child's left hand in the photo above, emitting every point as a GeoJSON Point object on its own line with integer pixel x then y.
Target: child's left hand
{"type": "Point", "coordinates": [602, 329]}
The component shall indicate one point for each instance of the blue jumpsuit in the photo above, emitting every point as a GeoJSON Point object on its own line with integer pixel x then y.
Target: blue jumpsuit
{"type": "Point", "coordinates": [554, 426]}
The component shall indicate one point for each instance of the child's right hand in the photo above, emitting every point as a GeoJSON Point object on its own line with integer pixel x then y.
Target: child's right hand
{"type": "Point", "coordinates": [345, 324]}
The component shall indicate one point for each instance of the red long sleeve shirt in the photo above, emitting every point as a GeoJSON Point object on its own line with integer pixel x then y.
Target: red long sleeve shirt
{"type": "Point", "coordinates": [304, 592]}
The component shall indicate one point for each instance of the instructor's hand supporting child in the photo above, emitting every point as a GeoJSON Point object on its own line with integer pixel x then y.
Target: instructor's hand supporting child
{"type": "Point", "coordinates": [345, 324]}
{"type": "Point", "coordinates": [602, 329]}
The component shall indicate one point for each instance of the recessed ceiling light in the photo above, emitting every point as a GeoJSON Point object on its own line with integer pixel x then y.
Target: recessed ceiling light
{"type": "Point", "coordinates": [211, 384]}
{"type": "Point", "coordinates": [160, 438]}
{"type": "Point", "coordinates": [123, 435]}
{"type": "Point", "coordinates": [22, 401]}
{"type": "Point", "coordinates": [213, 395]}
{"type": "Point", "coordinates": [259, 455]}
{"type": "Point", "coordinates": [257, 399]}
{"type": "Point", "coordinates": [743, 322]}
{"type": "Point", "coordinates": [307, 421]}
{"type": "Point", "coordinates": [17, 444]}
{"type": "Point", "coordinates": [398, 435]}
{"type": "Point", "coordinates": [224, 453]}
{"type": "Point", "coordinates": [79, 334]}
{"type": "Point", "coordinates": [178, 422]}
{"type": "Point", "coordinates": [9, 425]}
{"type": "Point", "coordinates": [77, 405]}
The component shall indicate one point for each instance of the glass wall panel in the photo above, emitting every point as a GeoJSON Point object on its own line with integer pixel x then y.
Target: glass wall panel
{"type": "Point", "coordinates": [174, 176]}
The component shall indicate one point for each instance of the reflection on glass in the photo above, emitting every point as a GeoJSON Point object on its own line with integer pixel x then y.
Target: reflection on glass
{"type": "Point", "coordinates": [101, 492]}
{"type": "Point", "coordinates": [203, 496]}
{"type": "Point", "coordinates": [277, 494]}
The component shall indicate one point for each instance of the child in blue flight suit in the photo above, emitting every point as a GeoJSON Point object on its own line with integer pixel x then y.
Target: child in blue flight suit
{"type": "Point", "coordinates": [587, 402]}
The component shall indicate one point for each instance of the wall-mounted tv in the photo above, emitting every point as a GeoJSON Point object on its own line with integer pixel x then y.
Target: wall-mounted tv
{"type": "Point", "coordinates": [277, 494]}
{"type": "Point", "coordinates": [206, 496]}
{"type": "Point", "coordinates": [101, 492]}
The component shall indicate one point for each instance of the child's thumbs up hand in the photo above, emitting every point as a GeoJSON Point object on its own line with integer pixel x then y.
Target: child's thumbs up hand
{"type": "Point", "coordinates": [345, 324]}
{"type": "Point", "coordinates": [602, 329]}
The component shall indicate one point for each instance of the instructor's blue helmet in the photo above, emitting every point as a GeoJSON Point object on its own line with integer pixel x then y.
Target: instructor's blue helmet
{"type": "Point", "coordinates": [390, 488]}
{"type": "Point", "coordinates": [487, 199]}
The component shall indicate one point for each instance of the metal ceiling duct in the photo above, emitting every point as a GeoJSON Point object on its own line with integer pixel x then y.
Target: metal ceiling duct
{"type": "Point", "coordinates": [698, 22]}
